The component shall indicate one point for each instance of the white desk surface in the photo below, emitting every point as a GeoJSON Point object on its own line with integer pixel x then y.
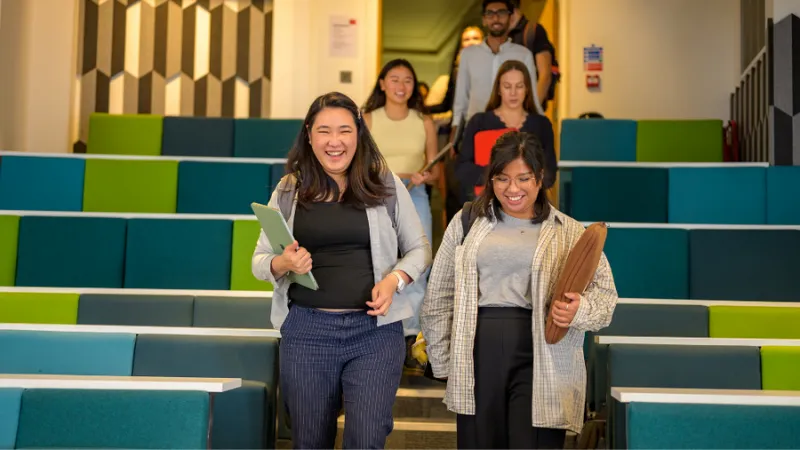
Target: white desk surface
{"type": "Point", "coordinates": [118, 383]}
{"type": "Point", "coordinates": [692, 302]}
{"type": "Point", "coordinates": [706, 396]}
{"type": "Point", "coordinates": [183, 331]}
{"type": "Point", "coordinates": [568, 164]}
{"type": "Point", "coordinates": [655, 340]}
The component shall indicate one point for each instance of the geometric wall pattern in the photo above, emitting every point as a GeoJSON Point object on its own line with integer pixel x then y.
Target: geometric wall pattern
{"type": "Point", "coordinates": [786, 85]}
{"type": "Point", "coordinates": [203, 58]}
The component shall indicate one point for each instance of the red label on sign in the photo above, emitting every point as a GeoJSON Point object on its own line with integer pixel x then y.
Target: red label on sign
{"type": "Point", "coordinates": [352, 21]}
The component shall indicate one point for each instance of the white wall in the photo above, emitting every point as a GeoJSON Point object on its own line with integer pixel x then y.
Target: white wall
{"type": "Point", "coordinates": [778, 9]}
{"type": "Point", "coordinates": [662, 59]}
{"type": "Point", "coordinates": [37, 63]}
{"type": "Point", "coordinates": [302, 68]}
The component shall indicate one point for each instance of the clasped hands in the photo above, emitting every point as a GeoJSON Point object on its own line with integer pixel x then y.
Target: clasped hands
{"type": "Point", "coordinates": [298, 260]}
{"type": "Point", "coordinates": [419, 178]}
{"type": "Point", "coordinates": [564, 311]}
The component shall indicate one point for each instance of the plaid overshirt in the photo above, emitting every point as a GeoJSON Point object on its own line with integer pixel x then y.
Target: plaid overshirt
{"type": "Point", "coordinates": [450, 311]}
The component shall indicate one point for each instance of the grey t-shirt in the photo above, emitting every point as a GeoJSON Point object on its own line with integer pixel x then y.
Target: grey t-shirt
{"type": "Point", "coordinates": [504, 263]}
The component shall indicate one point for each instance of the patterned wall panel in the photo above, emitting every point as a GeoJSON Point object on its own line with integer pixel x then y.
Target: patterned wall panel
{"type": "Point", "coordinates": [786, 85]}
{"type": "Point", "coordinates": [207, 58]}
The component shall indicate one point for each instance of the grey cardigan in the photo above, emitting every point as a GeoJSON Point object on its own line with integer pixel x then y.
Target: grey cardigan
{"type": "Point", "coordinates": [409, 237]}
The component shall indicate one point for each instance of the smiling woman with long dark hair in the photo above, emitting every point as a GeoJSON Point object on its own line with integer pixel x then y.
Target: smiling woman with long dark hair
{"type": "Point", "coordinates": [406, 137]}
{"type": "Point", "coordinates": [351, 217]}
{"type": "Point", "coordinates": [488, 296]}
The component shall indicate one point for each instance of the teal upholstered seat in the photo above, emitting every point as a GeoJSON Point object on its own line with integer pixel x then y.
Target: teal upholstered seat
{"type": "Point", "coordinates": [136, 310]}
{"type": "Point", "coordinates": [71, 251]}
{"type": "Point", "coordinates": [9, 417]}
{"type": "Point", "coordinates": [66, 353]}
{"type": "Point", "coordinates": [232, 312]}
{"type": "Point", "coordinates": [598, 140]}
{"type": "Point", "coordinates": [178, 254]}
{"type": "Point", "coordinates": [619, 194]}
{"type": "Point", "coordinates": [265, 138]}
{"type": "Point", "coordinates": [783, 195]}
{"type": "Point", "coordinates": [198, 136]}
{"type": "Point", "coordinates": [55, 418]}
{"type": "Point", "coordinates": [39, 183]}
{"type": "Point", "coordinates": [222, 188]}
{"type": "Point", "coordinates": [718, 195]}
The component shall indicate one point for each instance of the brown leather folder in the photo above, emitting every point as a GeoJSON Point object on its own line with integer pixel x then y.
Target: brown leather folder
{"type": "Point", "coordinates": [578, 272]}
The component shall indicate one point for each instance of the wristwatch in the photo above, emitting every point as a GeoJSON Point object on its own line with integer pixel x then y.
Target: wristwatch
{"type": "Point", "coordinates": [401, 284]}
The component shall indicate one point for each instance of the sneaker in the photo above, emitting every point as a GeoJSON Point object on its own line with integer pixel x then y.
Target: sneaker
{"type": "Point", "coordinates": [412, 367]}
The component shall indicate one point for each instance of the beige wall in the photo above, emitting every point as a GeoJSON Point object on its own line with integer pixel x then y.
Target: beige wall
{"type": "Point", "coordinates": [37, 55]}
{"type": "Point", "coordinates": [778, 9]}
{"type": "Point", "coordinates": [662, 59]}
{"type": "Point", "coordinates": [302, 68]}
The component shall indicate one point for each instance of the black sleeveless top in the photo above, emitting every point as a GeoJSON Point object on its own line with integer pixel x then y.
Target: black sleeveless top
{"type": "Point", "coordinates": [337, 236]}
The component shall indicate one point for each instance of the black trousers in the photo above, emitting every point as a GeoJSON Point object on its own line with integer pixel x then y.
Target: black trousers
{"type": "Point", "coordinates": [503, 386]}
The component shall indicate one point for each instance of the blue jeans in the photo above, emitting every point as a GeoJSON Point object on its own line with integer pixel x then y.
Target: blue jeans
{"type": "Point", "coordinates": [416, 291]}
{"type": "Point", "coordinates": [327, 357]}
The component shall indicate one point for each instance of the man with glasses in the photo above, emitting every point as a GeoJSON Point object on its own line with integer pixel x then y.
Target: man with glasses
{"type": "Point", "coordinates": [479, 63]}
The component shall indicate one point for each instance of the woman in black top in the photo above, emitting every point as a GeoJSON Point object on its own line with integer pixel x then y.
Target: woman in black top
{"type": "Point", "coordinates": [510, 106]}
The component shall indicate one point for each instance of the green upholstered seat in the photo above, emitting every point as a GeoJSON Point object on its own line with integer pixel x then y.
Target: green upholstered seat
{"type": "Point", "coordinates": [640, 320]}
{"type": "Point", "coordinates": [783, 195]}
{"type": "Point", "coordinates": [759, 265]}
{"type": "Point", "coordinates": [757, 322]}
{"type": "Point", "coordinates": [198, 136]}
{"type": "Point", "coordinates": [178, 254]}
{"type": "Point", "coordinates": [232, 312]}
{"type": "Point", "coordinates": [9, 236]}
{"type": "Point", "coordinates": [39, 183]}
{"type": "Point", "coordinates": [9, 417]}
{"type": "Point", "coordinates": [66, 353]}
{"type": "Point", "coordinates": [598, 140]}
{"type": "Point", "coordinates": [125, 134]}
{"type": "Point", "coordinates": [253, 359]}
{"type": "Point", "coordinates": [130, 186]}
{"type": "Point", "coordinates": [60, 418]}
{"type": "Point", "coordinates": [619, 194]}
{"type": "Point", "coordinates": [245, 236]}
{"type": "Point", "coordinates": [38, 307]}
{"type": "Point", "coordinates": [690, 426]}
{"type": "Point", "coordinates": [265, 138]}
{"type": "Point", "coordinates": [136, 310]}
{"type": "Point", "coordinates": [679, 141]}
{"type": "Point", "coordinates": [780, 368]}
{"type": "Point", "coordinates": [676, 366]}
{"type": "Point", "coordinates": [718, 195]}
{"type": "Point", "coordinates": [71, 252]}
{"type": "Point", "coordinates": [222, 188]}
{"type": "Point", "coordinates": [649, 262]}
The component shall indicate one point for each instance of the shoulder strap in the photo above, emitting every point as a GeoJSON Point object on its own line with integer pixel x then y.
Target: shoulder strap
{"type": "Point", "coordinates": [466, 219]}
{"type": "Point", "coordinates": [287, 186]}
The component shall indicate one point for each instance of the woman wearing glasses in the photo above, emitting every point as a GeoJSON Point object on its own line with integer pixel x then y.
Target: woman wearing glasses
{"type": "Point", "coordinates": [511, 107]}
{"type": "Point", "coordinates": [484, 313]}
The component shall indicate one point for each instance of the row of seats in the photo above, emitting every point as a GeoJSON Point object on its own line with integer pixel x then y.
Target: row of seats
{"type": "Point", "coordinates": [31, 183]}
{"type": "Point", "coordinates": [643, 140]}
{"type": "Point", "coordinates": [243, 417]}
{"type": "Point", "coordinates": [706, 195]}
{"type": "Point", "coordinates": [717, 422]}
{"type": "Point", "coordinates": [688, 321]}
{"type": "Point", "coordinates": [105, 252]}
{"type": "Point", "coordinates": [165, 310]}
{"type": "Point", "coordinates": [153, 135]}
{"type": "Point", "coordinates": [84, 418]}
{"type": "Point", "coordinates": [747, 367]}
{"type": "Point", "coordinates": [216, 254]}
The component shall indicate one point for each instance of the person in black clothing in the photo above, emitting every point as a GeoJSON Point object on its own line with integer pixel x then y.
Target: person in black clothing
{"type": "Point", "coordinates": [510, 106]}
{"type": "Point", "coordinates": [533, 36]}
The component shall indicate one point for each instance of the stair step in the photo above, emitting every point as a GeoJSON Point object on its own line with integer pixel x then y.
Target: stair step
{"type": "Point", "coordinates": [415, 434]}
{"type": "Point", "coordinates": [422, 403]}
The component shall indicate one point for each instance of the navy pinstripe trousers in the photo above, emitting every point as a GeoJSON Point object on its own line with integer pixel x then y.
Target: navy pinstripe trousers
{"type": "Point", "coordinates": [327, 358]}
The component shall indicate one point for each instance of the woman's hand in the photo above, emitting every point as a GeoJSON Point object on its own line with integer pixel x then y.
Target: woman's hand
{"type": "Point", "coordinates": [294, 259]}
{"type": "Point", "coordinates": [564, 311]}
{"type": "Point", "coordinates": [382, 296]}
{"type": "Point", "coordinates": [420, 178]}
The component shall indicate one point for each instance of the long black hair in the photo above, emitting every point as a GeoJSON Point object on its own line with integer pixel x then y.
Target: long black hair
{"type": "Point", "coordinates": [509, 147]}
{"type": "Point", "coordinates": [377, 99]}
{"type": "Point", "coordinates": [367, 171]}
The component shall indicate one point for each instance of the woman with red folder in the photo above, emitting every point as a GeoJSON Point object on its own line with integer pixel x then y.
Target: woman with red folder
{"type": "Point", "coordinates": [511, 107]}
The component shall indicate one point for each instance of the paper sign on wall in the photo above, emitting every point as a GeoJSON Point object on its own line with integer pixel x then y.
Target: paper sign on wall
{"type": "Point", "coordinates": [593, 59]}
{"type": "Point", "coordinates": [343, 37]}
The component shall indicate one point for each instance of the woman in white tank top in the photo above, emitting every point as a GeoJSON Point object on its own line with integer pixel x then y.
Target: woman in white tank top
{"type": "Point", "coordinates": [406, 137]}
